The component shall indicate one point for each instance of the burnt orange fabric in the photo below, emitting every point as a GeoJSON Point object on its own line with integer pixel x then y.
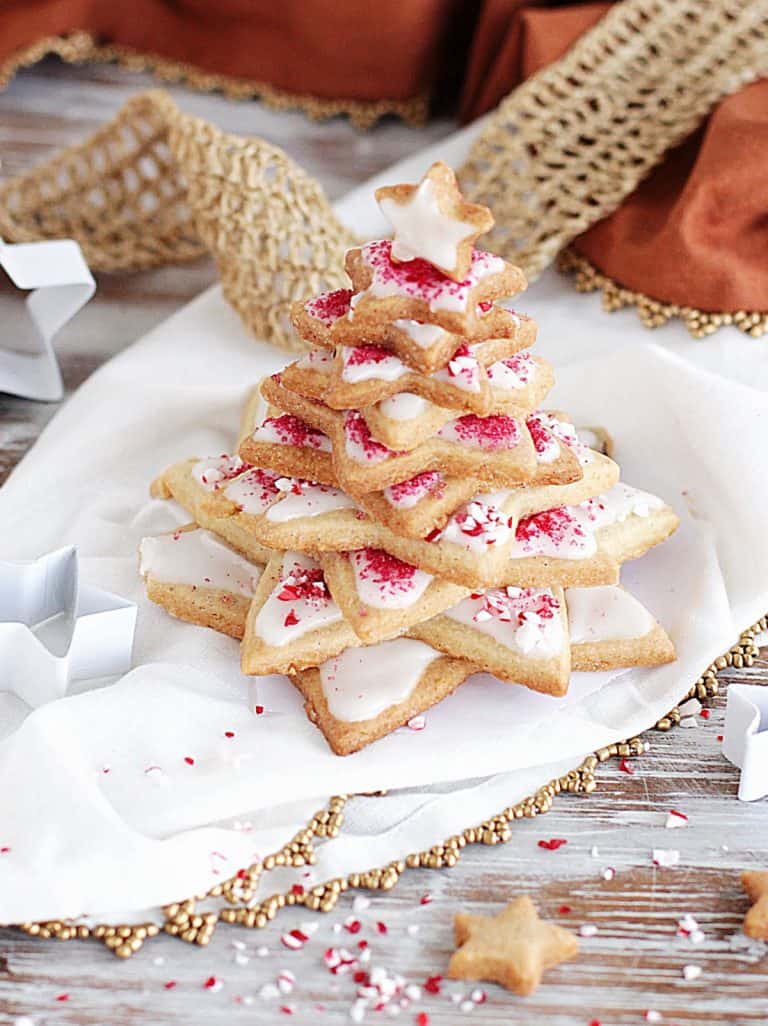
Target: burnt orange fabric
{"type": "Point", "coordinates": [336, 49]}
{"type": "Point", "coordinates": [695, 232]}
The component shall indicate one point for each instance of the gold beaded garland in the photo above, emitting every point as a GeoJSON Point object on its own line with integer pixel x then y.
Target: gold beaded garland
{"type": "Point", "coordinates": [183, 920]}
{"type": "Point", "coordinates": [652, 312]}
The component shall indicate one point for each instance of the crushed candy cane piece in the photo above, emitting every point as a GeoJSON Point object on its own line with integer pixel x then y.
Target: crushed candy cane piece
{"type": "Point", "coordinates": [675, 820]}
{"type": "Point", "coordinates": [294, 939]}
{"type": "Point", "coordinates": [588, 930]}
{"type": "Point", "coordinates": [626, 766]}
{"type": "Point", "coordinates": [608, 873]}
{"type": "Point", "coordinates": [553, 843]}
{"type": "Point", "coordinates": [692, 972]}
{"type": "Point", "coordinates": [653, 1016]}
{"type": "Point", "coordinates": [213, 983]}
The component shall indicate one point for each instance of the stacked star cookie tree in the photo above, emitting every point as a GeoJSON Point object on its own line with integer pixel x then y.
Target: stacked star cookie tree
{"type": "Point", "coordinates": [418, 516]}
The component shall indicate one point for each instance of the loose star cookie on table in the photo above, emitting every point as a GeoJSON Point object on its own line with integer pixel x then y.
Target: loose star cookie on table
{"type": "Point", "coordinates": [755, 883]}
{"type": "Point", "coordinates": [512, 948]}
{"type": "Point", "coordinates": [433, 221]}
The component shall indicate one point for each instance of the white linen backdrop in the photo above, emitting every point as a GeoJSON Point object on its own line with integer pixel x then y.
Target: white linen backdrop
{"type": "Point", "coordinates": [94, 788]}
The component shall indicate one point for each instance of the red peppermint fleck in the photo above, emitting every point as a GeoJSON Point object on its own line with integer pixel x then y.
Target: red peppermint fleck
{"type": "Point", "coordinates": [189, 760]}
{"type": "Point", "coordinates": [430, 482]}
{"type": "Point", "coordinates": [626, 767]}
{"type": "Point", "coordinates": [705, 714]}
{"type": "Point", "coordinates": [433, 535]}
{"type": "Point", "coordinates": [390, 575]}
{"type": "Point", "coordinates": [212, 983]}
{"type": "Point", "coordinates": [291, 619]}
{"type": "Point", "coordinates": [356, 431]}
{"type": "Point", "coordinates": [432, 984]}
{"type": "Point", "coordinates": [62, 997]}
{"type": "Point", "coordinates": [564, 910]}
{"type": "Point", "coordinates": [485, 306]}
{"type": "Point", "coordinates": [362, 978]}
{"type": "Point", "coordinates": [303, 584]}
{"type": "Point", "coordinates": [498, 431]}
{"type": "Point", "coordinates": [258, 709]}
{"type": "Point", "coordinates": [286, 1010]}
{"type": "Point", "coordinates": [359, 355]}
{"type": "Point", "coordinates": [169, 985]}
{"type": "Point", "coordinates": [425, 899]}
{"type": "Point", "coordinates": [381, 927]}
{"type": "Point", "coordinates": [242, 874]}
{"type": "Point", "coordinates": [422, 1019]}
{"type": "Point", "coordinates": [594, 1022]}
{"type": "Point", "coordinates": [5, 849]}
{"type": "Point", "coordinates": [297, 889]}
{"type": "Point", "coordinates": [362, 944]}
{"type": "Point", "coordinates": [353, 926]}
{"type": "Point", "coordinates": [719, 737]}
{"type": "Point", "coordinates": [229, 733]}
{"type": "Point", "coordinates": [329, 306]}
{"type": "Point", "coordinates": [553, 843]}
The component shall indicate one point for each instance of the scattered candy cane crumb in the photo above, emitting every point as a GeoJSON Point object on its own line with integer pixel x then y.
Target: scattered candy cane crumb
{"type": "Point", "coordinates": [692, 972]}
{"type": "Point", "coordinates": [653, 1016]}
{"type": "Point", "coordinates": [665, 857]}
{"type": "Point", "coordinates": [608, 873]}
{"type": "Point", "coordinates": [588, 930]}
{"type": "Point", "coordinates": [675, 820]}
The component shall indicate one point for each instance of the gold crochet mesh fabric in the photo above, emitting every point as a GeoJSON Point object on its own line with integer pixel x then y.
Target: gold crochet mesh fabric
{"type": "Point", "coordinates": [156, 186]}
{"type": "Point", "coordinates": [570, 143]}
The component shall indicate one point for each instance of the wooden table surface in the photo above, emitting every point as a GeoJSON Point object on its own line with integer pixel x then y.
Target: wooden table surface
{"type": "Point", "coordinates": [629, 972]}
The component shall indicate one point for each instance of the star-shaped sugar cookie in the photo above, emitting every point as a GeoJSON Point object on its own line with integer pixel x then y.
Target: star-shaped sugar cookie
{"type": "Point", "coordinates": [755, 883]}
{"type": "Point", "coordinates": [512, 948]}
{"type": "Point", "coordinates": [433, 221]}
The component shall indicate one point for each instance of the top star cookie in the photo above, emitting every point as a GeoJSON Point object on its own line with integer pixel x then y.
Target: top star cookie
{"type": "Point", "coordinates": [434, 222]}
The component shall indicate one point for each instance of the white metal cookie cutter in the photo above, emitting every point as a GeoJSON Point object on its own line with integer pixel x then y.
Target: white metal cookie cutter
{"type": "Point", "coordinates": [53, 631]}
{"type": "Point", "coordinates": [62, 285]}
{"type": "Point", "coordinates": [745, 737]}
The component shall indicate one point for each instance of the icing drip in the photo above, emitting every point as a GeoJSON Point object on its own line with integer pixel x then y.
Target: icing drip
{"type": "Point", "coordinates": [215, 471]}
{"type": "Point", "coordinates": [419, 279]}
{"type": "Point", "coordinates": [300, 602]}
{"type": "Point", "coordinates": [367, 363]}
{"type": "Point", "coordinates": [359, 443]}
{"type": "Point", "coordinates": [289, 430]}
{"type": "Point", "coordinates": [525, 619]}
{"type": "Point", "coordinates": [462, 370]}
{"type": "Point", "coordinates": [606, 613]}
{"type": "Point", "coordinates": [307, 499]}
{"type": "Point", "coordinates": [488, 433]}
{"type": "Point", "coordinates": [329, 306]}
{"type": "Point", "coordinates": [410, 493]}
{"type": "Point", "coordinates": [362, 683]}
{"type": "Point", "coordinates": [423, 230]}
{"type": "Point", "coordinates": [384, 582]}
{"type": "Point", "coordinates": [480, 524]}
{"type": "Point", "coordinates": [199, 559]}
{"type": "Point", "coordinates": [403, 406]}
{"type": "Point", "coordinates": [254, 491]}
{"type": "Point", "coordinates": [423, 335]}
{"type": "Point", "coordinates": [513, 373]}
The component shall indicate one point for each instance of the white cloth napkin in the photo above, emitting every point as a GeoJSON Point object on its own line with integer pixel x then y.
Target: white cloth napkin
{"type": "Point", "coordinates": [96, 788]}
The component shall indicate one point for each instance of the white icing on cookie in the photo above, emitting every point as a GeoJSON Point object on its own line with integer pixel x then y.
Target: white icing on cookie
{"type": "Point", "coordinates": [300, 602]}
{"type": "Point", "coordinates": [481, 523]}
{"type": "Point", "coordinates": [527, 620]}
{"type": "Point", "coordinates": [423, 230]}
{"type": "Point", "coordinates": [289, 430]}
{"type": "Point", "coordinates": [320, 360]}
{"type": "Point", "coordinates": [370, 363]}
{"type": "Point", "coordinates": [423, 335]}
{"type": "Point", "coordinates": [606, 613]}
{"type": "Point", "coordinates": [214, 472]}
{"type": "Point", "coordinates": [254, 491]}
{"type": "Point", "coordinates": [403, 406]}
{"type": "Point", "coordinates": [616, 505]}
{"type": "Point", "coordinates": [462, 371]}
{"type": "Point", "coordinates": [417, 279]}
{"type": "Point", "coordinates": [362, 683]}
{"type": "Point", "coordinates": [199, 559]}
{"type": "Point", "coordinates": [307, 499]}
{"type": "Point", "coordinates": [555, 532]}
{"type": "Point", "coordinates": [385, 582]}
{"type": "Point", "coordinates": [359, 443]}
{"type": "Point", "coordinates": [513, 373]}
{"type": "Point", "coordinates": [498, 431]}
{"type": "Point", "coordinates": [410, 493]}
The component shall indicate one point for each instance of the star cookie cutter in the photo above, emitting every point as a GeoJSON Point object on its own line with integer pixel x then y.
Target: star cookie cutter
{"type": "Point", "coordinates": [53, 630]}
{"type": "Point", "coordinates": [61, 285]}
{"type": "Point", "coordinates": [745, 738]}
